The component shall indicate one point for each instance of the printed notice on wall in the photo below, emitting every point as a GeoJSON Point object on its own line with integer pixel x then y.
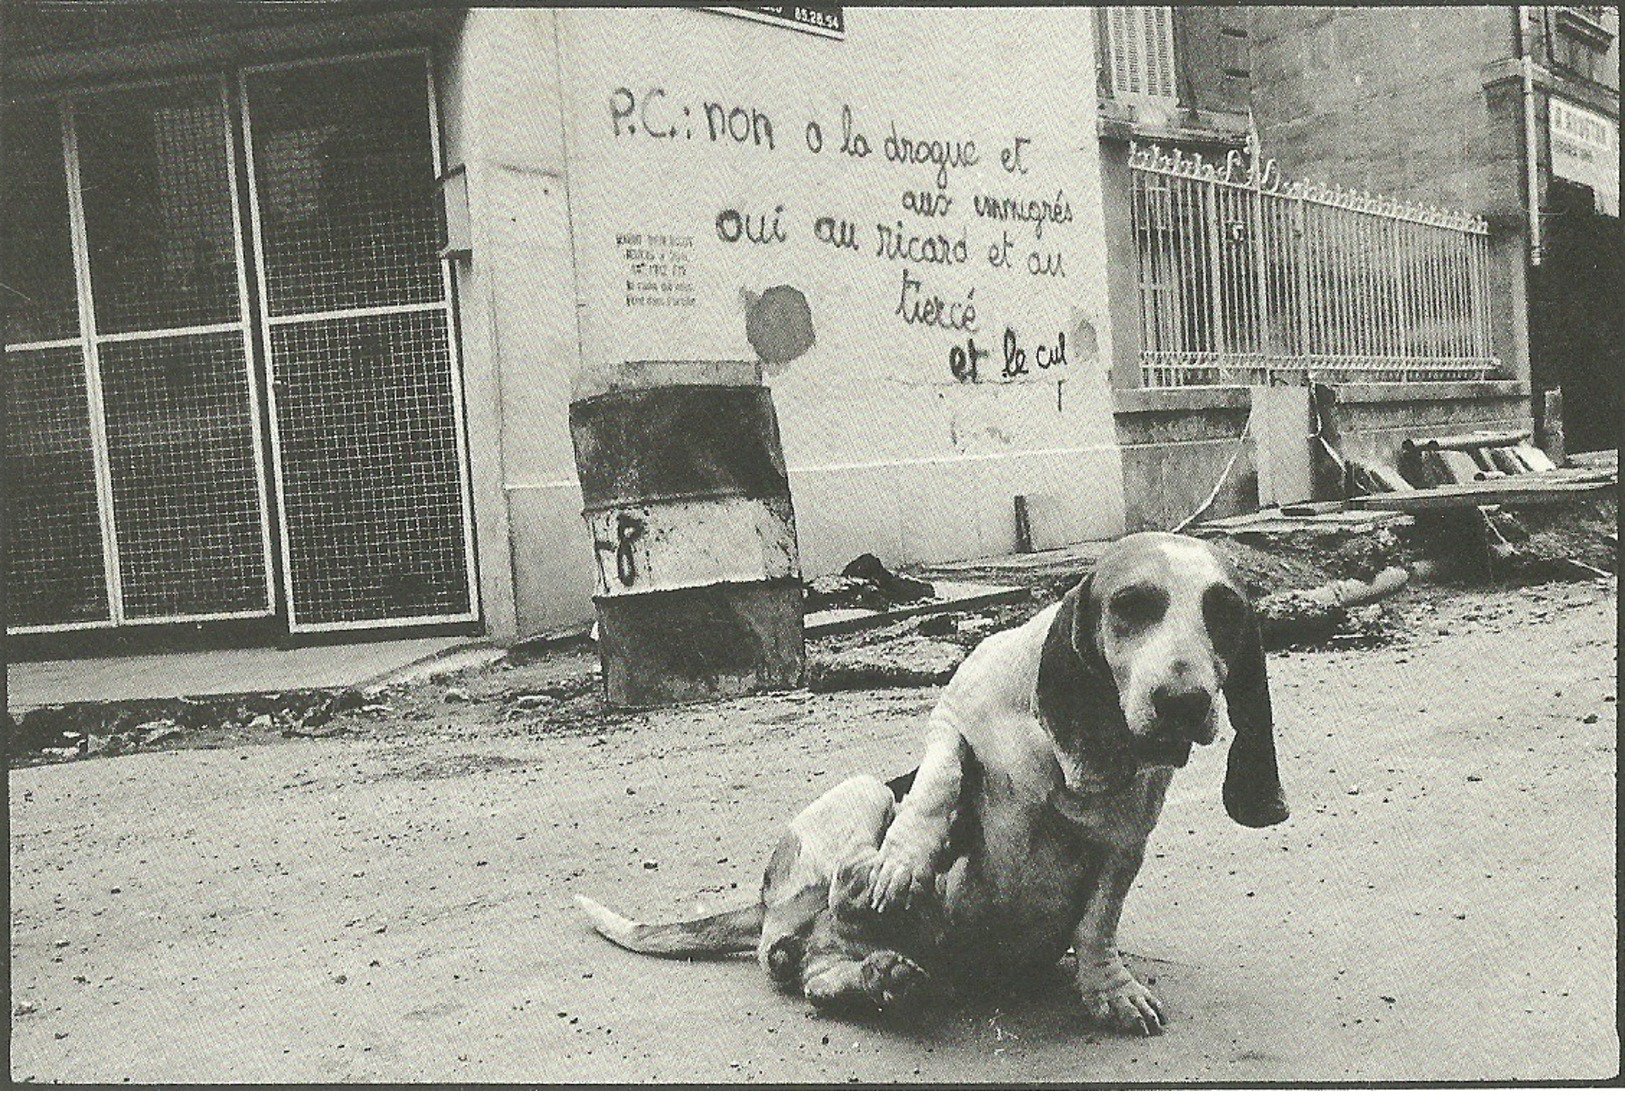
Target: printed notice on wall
{"type": "Point", "coordinates": [656, 268]}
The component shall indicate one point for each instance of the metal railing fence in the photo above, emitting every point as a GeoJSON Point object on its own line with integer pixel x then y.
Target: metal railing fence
{"type": "Point", "coordinates": [1246, 279]}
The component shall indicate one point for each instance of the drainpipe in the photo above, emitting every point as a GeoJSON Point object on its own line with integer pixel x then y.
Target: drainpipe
{"type": "Point", "coordinates": [1547, 407]}
{"type": "Point", "coordinates": [1526, 65]}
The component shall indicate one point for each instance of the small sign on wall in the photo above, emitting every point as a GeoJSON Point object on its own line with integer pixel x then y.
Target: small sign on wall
{"type": "Point", "coordinates": [821, 19]}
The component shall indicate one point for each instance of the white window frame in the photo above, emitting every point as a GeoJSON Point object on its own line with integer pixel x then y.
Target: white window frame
{"type": "Point", "coordinates": [446, 306]}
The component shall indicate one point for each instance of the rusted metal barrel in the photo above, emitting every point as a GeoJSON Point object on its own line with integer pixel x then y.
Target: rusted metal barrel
{"type": "Point", "coordinates": [687, 501]}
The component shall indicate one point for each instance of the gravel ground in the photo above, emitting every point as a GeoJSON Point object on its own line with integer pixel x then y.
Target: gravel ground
{"type": "Point", "coordinates": [391, 901]}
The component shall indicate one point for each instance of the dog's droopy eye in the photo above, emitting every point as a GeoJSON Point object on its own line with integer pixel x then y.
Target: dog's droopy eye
{"type": "Point", "coordinates": [1135, 607]}
{"type": "Point", "coordinates": [1225, 614]}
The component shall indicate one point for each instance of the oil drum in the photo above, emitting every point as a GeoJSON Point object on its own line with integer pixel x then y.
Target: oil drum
{"type": "Point", "coordinates": [698, 581]}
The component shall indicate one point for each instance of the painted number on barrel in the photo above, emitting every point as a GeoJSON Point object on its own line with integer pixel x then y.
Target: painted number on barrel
{"type": "Point", "coordinates": [627, 531]}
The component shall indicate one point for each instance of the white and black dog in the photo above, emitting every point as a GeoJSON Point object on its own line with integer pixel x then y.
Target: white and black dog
{"type": "Point", "coordinates": [1021, 831]}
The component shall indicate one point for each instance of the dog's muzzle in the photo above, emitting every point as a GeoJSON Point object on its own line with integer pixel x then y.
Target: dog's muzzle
{"type": "Point", "coordinates": [1180, 719]}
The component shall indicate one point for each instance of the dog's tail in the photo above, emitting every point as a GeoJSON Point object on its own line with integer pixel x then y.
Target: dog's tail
{"type": "Point", "coordinates": [729, 932]}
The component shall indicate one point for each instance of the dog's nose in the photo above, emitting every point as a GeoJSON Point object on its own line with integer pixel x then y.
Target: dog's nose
{"type": "Point", "coordinates": [1185, 709]}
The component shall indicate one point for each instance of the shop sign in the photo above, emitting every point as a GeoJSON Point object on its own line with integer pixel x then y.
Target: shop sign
{"type": "Point", "coordinates": [823, 19]}
{"type": "Point", "coordinates": [1585, 149]}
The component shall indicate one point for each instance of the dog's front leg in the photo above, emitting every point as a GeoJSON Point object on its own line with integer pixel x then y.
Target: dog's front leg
{"type": "Point", "coordinates": [1110, 993]}
{"type": "Point", "coordinates": [917, 841]}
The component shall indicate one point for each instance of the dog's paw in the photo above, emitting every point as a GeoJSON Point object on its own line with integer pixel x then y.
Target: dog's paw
{"type": "Point", "coordinates": [851, 887]}
{"type": "Point", "coordinates": [900, 877]}
{"type": "Point", "coordinates": [784, 960]}
{"type": "Point", "coordinates": [892, 980]}
{"type": "Point", "coordinates": [905, 871]}
{"type": "Point", "coordinates": [883, 981]}
{"type": "Point", "coordinates": [1126, 1006]}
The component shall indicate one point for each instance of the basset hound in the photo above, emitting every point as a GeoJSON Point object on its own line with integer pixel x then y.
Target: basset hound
{"type": "Point", "coordinates": [1046, 762]}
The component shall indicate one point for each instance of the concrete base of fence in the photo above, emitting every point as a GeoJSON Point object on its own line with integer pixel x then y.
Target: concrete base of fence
{"type": "Point", "coordinates": [1175, 443]}
{"type": "Point", "coordinates": [1285, 443]}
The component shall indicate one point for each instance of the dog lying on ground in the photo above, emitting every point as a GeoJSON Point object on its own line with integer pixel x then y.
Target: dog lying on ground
{"type": "Point", "coordinates": [1020, 833]}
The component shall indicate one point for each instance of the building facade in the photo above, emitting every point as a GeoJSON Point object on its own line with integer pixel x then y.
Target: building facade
{"type": "Point", "coordinates": [1512, 112]}
{"type": "Point", "coordinates": [298, 303]}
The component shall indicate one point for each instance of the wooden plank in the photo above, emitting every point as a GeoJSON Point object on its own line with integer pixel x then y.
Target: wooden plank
{"type": "Point", "coordinates": [1456, 465]}
{"type": "Point", "coordinates": [1308, 509]}
{"type": "Point", "coordinates": [1479, 439]}
{"type": "Point", "coordinates": [1511, 491]}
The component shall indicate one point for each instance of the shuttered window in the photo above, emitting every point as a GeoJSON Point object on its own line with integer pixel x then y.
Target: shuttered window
{"type": "Point", "coordinates": [1140, 49]}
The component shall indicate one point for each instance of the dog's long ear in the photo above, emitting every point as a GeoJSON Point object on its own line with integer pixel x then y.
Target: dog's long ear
{"type": "Point", "coordinates": [1077, 697]}
{"type": "Point", "coordinates": [1252, 782]}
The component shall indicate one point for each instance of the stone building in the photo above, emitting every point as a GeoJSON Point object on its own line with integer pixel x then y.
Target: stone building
{"type": "Point", "coordinates": [1476, 108]}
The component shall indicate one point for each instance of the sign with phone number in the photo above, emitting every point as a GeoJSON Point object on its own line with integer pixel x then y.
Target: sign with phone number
{"type": "Point", "coordinates": [824, 19]}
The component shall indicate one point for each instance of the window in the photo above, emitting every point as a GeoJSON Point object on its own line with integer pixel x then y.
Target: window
{"type": "Point", "coordinates": [1140, 52]}
{"type": "Point", "coordinates": [1580, 41]}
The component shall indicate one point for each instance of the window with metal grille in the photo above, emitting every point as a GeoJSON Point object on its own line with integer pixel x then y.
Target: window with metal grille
{"type": "Point", "coordinates": [135, 462]}
{"type": "Point", "coordinates": [55, 563]}
{"type": "Point", "coordinates": [1140, 49]}
{"type": "Point", "coordinates": [366, 405]}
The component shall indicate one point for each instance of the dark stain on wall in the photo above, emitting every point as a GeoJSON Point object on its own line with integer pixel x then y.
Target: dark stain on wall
{"type": "Point", "coordinates": [778, 324]}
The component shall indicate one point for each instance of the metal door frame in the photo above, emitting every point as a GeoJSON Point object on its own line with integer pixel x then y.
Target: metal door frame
{"type": "Point", "coordinates": [89, 342]}
{"type": "Point", "coordinates": [446, 306]}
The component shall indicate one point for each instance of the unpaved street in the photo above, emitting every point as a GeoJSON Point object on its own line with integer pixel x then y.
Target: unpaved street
{"type": "Point", "coordinates": [395, 905]}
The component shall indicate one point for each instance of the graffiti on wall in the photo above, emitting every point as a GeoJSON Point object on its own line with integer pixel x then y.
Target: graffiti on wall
{"type": "Point", "coordinates": [967, 217]}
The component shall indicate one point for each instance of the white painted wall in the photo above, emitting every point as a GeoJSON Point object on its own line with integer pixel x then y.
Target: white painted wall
{"type": "Point", "coordinates": [517, 302]}
{"type": "Point", "coordinates": [593, 128]}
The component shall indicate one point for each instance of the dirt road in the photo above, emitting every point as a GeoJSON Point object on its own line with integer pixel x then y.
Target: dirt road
{"type": "Point", "coordinates": [395, 905]}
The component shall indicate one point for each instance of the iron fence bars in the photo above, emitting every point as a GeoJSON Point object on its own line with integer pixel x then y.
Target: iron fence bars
{"type": "Point", "coordinates": [366, 402]}
{"type": "Point", "coordinates": [1247, 279]}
